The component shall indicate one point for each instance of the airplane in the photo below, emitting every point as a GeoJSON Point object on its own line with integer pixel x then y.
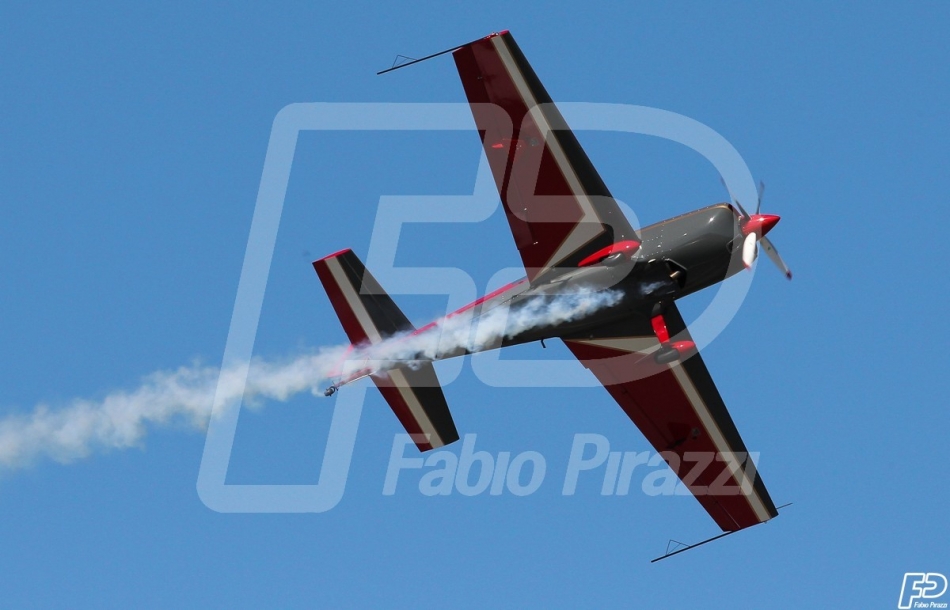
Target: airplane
{"type": "Point", "coordinates": [572, 235]}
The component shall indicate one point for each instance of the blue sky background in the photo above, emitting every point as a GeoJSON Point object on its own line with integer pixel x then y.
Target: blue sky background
{"type": "Point", "coordinates": [131, 147]}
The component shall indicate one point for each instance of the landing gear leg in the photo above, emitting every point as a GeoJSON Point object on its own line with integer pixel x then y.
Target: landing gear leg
{"type": "Point", "coordinates": [669, 352]}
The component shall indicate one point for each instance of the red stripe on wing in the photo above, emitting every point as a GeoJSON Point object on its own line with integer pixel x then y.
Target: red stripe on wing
{"type": "Point", "coordinates": [654, 399]}
{"type": "Point", "coordinates": [540, 190]}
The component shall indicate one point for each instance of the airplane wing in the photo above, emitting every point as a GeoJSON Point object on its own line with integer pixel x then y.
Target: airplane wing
{"type": "Point", "coordinates": [679, 410]}
{"type": "Point", "coordinates": [557, 206]}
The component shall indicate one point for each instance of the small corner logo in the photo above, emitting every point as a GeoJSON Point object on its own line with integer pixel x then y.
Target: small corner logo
{"type": "Point", "coordinates": [920, 585]}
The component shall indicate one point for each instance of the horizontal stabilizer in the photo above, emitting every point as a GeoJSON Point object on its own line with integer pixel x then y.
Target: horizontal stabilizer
{"type": "Point", "coordinates": [369, 315]}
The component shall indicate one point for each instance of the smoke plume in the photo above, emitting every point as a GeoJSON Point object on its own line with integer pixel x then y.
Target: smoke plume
{"type": "Point", "coordinates": [184, 396]}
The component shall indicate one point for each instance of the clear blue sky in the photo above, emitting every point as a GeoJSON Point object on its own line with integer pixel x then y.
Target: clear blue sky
{"type": "Point", "coordinates": [131, 148]}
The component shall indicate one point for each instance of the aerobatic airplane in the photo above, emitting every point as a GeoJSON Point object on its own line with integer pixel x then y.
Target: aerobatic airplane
{"type": "Point", "coordinates": [572, 235]}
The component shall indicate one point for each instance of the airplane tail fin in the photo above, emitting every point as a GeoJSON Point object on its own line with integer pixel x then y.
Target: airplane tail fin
{"type": "Point", "coordinates": [369, 315]}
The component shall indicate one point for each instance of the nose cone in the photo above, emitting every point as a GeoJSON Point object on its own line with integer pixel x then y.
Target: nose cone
{"type": "Point", "coordinates": [769, 221]}
{"type": "Point", "coordinates": [760, 223]}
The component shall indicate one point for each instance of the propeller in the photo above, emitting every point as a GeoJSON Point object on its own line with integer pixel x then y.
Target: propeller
{"type": "Point", "coordinates": [754, 227]}
{"type": "Point", "coordinates": [748, 250]}
{"type": "Point", "coordinates": [774, 256]}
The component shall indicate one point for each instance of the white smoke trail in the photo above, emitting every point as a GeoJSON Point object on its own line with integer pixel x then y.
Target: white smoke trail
{"type": "Point", "coordinates": [122, 418]}
{"type": "Point", "coordinates": [484, 331]}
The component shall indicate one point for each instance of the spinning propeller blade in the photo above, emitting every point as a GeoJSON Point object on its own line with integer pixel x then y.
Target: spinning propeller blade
{"type": "Point", "coordinates": [757, 234]}
{"type": "Point", "coordinates": [775, 258]}
{"type": "Point", "coordinates": [732, 198]}
{"type": "Point", "coordinates": [748, 250]}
